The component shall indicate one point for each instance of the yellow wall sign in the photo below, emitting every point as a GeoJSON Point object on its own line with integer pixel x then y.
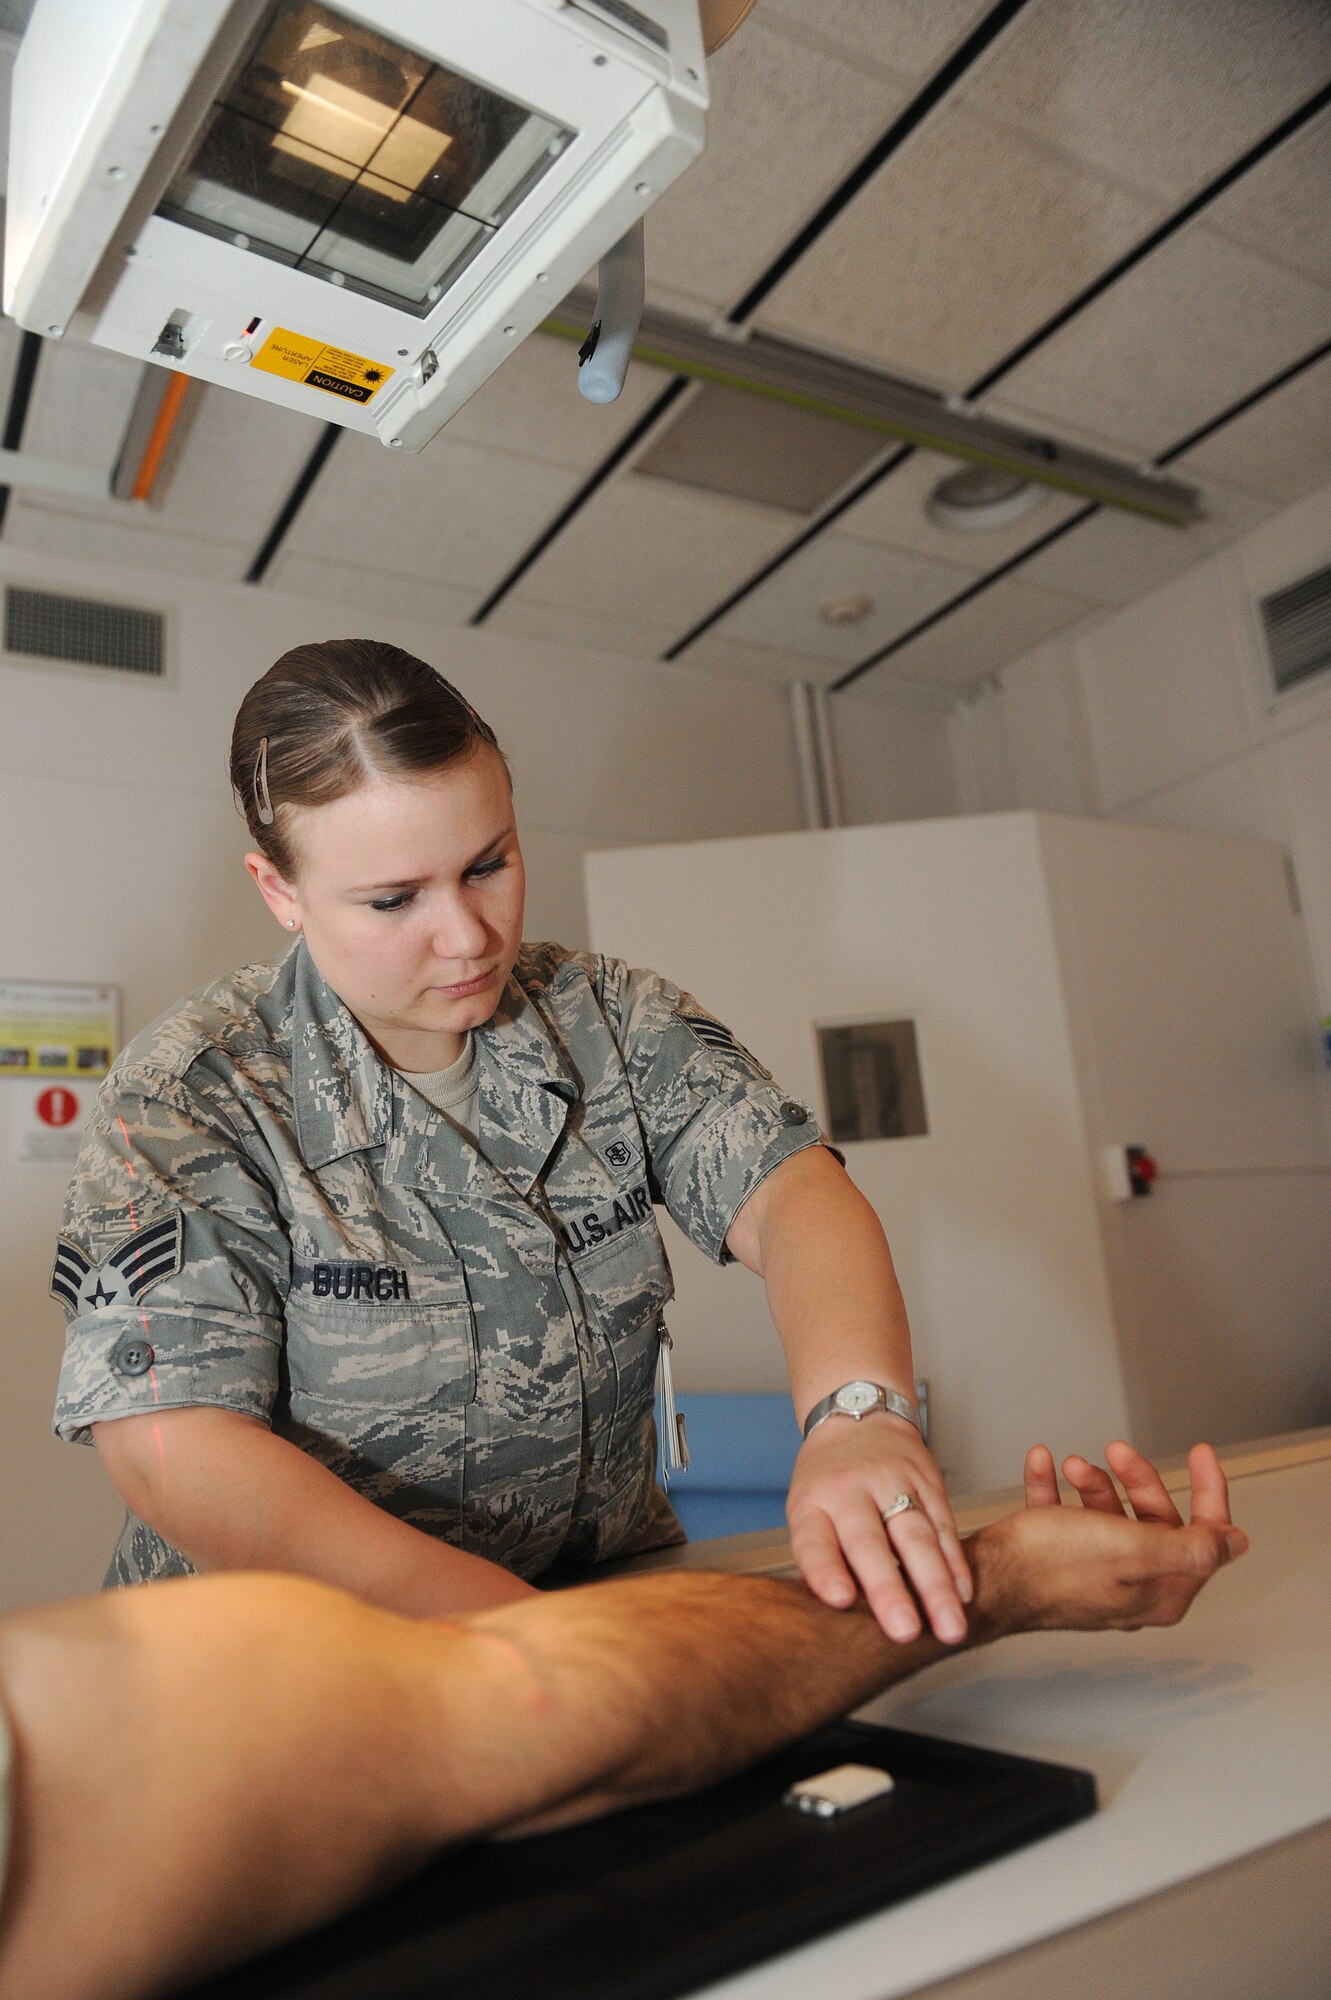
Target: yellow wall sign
{"type": "Point", "coordinates": [297, 358]}
{"type": "Point", "coordinates": [57, 1030]}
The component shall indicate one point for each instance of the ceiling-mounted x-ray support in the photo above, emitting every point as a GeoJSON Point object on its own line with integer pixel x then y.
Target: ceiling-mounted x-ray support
{"type": "Point", "coordinates": [794, 375]}
{"type": "Point", "coordinates": [603, 358]}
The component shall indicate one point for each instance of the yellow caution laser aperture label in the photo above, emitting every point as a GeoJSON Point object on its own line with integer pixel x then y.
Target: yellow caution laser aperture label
{"type": "Point", "coordinates": [297, 358]}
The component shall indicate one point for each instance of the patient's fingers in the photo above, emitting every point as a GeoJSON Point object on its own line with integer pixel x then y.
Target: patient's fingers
{"type": "Point", "coordinates": [1095, 1489]}
{"type": "Point", "coordinates": [1210, 1490]}
{"type": "Point", "coordinates": [1040, 1478]}
{"type": "Point", "coordinates": [1143, 1485]}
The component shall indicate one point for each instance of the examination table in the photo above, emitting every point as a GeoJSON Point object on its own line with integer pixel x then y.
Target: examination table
{"type": "Point", "coordinates": [1205, 1875]}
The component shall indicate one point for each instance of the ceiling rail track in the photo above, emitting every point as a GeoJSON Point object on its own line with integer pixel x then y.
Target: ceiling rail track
{"type": "Point", "coordinates": [1187, 213]}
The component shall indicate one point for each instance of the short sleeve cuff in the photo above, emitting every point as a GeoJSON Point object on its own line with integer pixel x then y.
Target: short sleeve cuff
{"type": "Point", "coordinates": [739, 1146]}
{"type": "Point", "coordinates": [125, 1365]}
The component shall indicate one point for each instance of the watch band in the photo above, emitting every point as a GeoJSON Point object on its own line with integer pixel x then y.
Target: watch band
{"type": "Point", "coordinates": [883, 1399]}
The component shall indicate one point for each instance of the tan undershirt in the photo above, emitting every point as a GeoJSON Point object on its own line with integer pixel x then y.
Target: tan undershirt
{"type": "Point", "coordinates": [455, 1090]}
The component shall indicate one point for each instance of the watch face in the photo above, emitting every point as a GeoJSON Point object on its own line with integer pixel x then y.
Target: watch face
{"type": "Point", "coordinates": [857, 1396]}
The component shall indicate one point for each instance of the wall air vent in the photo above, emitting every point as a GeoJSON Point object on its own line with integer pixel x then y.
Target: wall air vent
{"type": "Point", "coordinates": [51, 629]}
{"type": "Point", "coordinates": [1296, 623]}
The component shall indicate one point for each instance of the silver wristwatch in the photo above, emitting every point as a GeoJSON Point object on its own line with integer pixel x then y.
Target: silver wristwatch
{"type": "Point", "coordinates": [858, 1399]}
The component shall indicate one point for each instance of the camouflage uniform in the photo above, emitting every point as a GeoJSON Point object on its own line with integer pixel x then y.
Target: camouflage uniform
{"type": "Point", "coordinates": [267, 1218]}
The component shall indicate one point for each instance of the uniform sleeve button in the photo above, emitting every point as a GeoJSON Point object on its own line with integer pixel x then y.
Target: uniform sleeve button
{"type": "Point", "coordinates": [132, 1355]}
{"type": "Point", "coordinates": [794, 1114]}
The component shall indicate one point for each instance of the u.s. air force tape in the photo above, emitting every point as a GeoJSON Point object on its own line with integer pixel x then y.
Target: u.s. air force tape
{"type": "Point", "coordinates": [146, 1256]}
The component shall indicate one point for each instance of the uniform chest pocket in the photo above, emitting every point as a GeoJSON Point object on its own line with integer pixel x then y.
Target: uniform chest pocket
{"type": "Point", "coordinates": [380, 1336]}
{"type": "Point", "coordinates": [625, 1281]}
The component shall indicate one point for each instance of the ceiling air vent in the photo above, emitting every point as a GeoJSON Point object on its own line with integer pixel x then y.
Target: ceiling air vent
{"type": "Point", "coordinates": [50, 628]}
{"type": "Point", "coordinates": [1297, 624]}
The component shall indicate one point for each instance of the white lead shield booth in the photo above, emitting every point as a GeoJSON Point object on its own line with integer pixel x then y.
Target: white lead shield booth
{"type": "Point", "coordinates": [355, 212]}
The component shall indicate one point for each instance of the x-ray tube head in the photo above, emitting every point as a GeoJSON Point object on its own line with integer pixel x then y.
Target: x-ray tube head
{"type": "Point", "coordinates": [314, 198]}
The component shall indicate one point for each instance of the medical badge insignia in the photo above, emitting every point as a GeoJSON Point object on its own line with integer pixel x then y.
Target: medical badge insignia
{"type": "Point", "coordinates": [133, 1268]}
{"type": "Point", "coordinates": [619, 1153]}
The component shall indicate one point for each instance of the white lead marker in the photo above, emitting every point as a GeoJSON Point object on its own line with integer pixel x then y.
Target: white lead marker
{"type": "Point", "coordinates": [840, 1790]}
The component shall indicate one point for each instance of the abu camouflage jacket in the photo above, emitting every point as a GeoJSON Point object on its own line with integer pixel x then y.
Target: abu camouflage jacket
{"type": "Point", "coordinates": [267, 1218]}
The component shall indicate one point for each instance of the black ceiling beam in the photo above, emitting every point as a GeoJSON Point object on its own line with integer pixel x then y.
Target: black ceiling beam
{"type": "Point", "coordinates": [20, 397]}
{"type": "Point", "coordinates": [963, 58]}
{"type": "Point", "coordinates": [920, 106]}
{"type": "Point", "coordinates": [294, 501]}
{"type": "Point", "coordinates": [983, 583]}
{"type": "Point", "coordinates": [1169, 227]}
{"type": "Point", "coordinates": [878, 470]}
{"type": "Point", "coordinates": [1204, 431]}
{"type": "Point", "coordinates": [655, 410]}
{"type": "Point", "coordinates": [1160, 234]}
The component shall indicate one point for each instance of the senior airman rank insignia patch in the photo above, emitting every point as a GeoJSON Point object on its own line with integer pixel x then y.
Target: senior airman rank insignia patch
{"type": "Point", "coordinates": [714, 1034]}
{"type": "Point", "coordinates": [144, 1258]}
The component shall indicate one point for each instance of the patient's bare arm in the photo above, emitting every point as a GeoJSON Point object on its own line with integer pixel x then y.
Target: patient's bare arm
{"type": "Point", "coordinates": [261, 1751]}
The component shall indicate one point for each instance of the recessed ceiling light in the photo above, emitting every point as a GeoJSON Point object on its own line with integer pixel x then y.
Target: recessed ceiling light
{"type": "Point", "coordinates": [845, 610]}
{"type": "Point", "coordinates": [982, 496]}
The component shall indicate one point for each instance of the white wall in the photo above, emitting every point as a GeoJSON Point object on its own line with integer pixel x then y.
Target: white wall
{"type": "Point", "coordinates": [122, 864]}
{"type": "Point", "coordinates": [993, 1213]}
{"type": "Point", "coordinates": [1161, 713]}
{"type": "Point", "coordinates": [894, 758]}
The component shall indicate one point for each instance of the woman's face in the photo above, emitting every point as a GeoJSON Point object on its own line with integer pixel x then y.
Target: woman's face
{"type": "Point", "coordinates": [410, 895]}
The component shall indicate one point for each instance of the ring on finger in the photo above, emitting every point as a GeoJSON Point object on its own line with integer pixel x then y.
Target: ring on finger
{"type": "Point", "coordinates": [904, 1503]}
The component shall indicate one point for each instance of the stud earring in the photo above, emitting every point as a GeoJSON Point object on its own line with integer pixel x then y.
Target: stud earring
{"type": "Point", "coordinates": [291, 923]}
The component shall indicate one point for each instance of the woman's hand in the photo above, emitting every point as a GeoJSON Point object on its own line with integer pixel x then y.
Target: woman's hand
{"type": "Point", "coordinates": [846, 1475]}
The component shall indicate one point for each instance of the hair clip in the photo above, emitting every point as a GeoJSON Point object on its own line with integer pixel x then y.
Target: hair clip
{"type": "Point", "coordinates": [262, 799]}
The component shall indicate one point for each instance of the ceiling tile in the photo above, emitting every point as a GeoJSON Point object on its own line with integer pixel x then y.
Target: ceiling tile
{"type": "Point", "coordinates": [995, 403]}
{"type": "Point", "coordinates": [228, 470]}
{"type": "Point", "coordinates": [372, 591]}
{"type": "Point", "coordinates": [237, 463]}
{"type": "Point", "coordinates": [452, 513]}
{"type": "Point", "coordinates": [960, 246]}
{"type": "Point", "coordinates": [783, 612]}
{"type": "Point", "coordinates": [655, 554]}
{"type": "Point", "coordinates": [713, 655]}
{"type": "Point", "coordinates": [1282, 207]}
{"type": "Point", "coordinates": [124, 540]}
{"type": "Point", "coordinates": [565, 625]}
{"type": "Point", "coordinates": [912, 37]}
{"type": "Point", "coordinates": [1114, 558]}
{"type": "Point", "coordinates": [787, 124]}
{"type": "Point", "coordinates": [1163, 97]}
{"type": "Point", "coordinates": [980, 636]}
{"type": "Point", "coordinates": [81, 402]}
{"type": "Point", "coordinates": [893, 512]}
{"type": "Point", "coordinates": [1281, 447]}
{"type": "Point", "coordinates": [1192, 328]}
{"type": "Point", "coordinates": [531, 405]}
{"type": "Point", "coordinates": [756, 448]}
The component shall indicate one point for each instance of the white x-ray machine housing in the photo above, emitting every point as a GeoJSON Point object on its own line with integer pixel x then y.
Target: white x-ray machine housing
{"type": "Point", "coordinates": [354, 212]}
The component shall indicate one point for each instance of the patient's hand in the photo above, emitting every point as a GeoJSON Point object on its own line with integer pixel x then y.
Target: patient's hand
{"type": "Point", "coordinates": [1096, 1567]}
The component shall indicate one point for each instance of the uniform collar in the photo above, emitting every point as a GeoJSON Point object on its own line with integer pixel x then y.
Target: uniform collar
{"type": "Point", "coordinates": [343, 1090]}
{"type": "Point", "coordinates": [347, 1099]}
